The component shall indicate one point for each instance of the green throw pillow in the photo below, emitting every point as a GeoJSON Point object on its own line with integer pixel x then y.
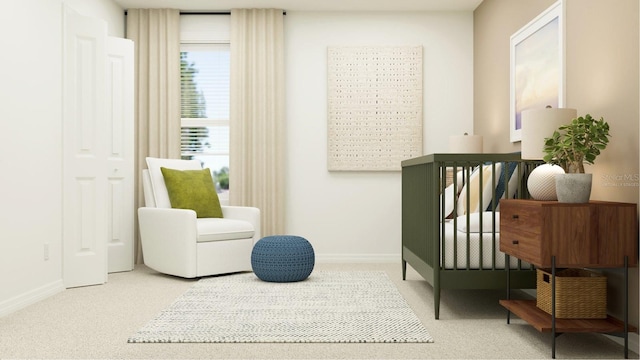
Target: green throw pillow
{"type": "Point", "coordinates": [192, 189]}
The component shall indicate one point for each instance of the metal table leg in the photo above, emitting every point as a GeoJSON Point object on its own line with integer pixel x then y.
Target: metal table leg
{"type": "Point", "coordinates": [508, 265]}
{"type": "Point", "coordinates": [626, 307]}
{"type": "Point", "coordinates": [553, 307]}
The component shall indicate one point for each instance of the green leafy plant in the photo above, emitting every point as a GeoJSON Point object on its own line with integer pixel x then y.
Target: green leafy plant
{"type": "Point", "coordinates": [576, 143]}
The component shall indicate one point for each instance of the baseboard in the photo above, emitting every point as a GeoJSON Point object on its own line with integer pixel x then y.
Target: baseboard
{"type": "Point", "coordinates": [30, 297]}
{"type": "Point", "coordinates": [357, 258]}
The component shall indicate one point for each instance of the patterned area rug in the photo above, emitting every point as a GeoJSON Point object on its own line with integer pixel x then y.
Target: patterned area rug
{"type": "Point", "coordinates": [328, 307]}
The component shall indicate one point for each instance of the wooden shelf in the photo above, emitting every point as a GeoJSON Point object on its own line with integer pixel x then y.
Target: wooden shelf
{"type": "Point", "coordinates": [541, 321]}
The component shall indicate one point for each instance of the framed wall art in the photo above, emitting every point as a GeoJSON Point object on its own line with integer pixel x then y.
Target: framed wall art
{"type": "Point", "coordinates": [374, 96]}
{"type": "Point", "coordinates": [537, 66]}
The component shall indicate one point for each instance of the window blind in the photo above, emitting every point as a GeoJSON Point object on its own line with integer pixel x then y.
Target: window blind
{"type": "Point", "coordinates": [204, 84]}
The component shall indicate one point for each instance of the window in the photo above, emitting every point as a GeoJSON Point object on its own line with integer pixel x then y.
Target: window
{"type": "Point", "coordinates": [205, 71]}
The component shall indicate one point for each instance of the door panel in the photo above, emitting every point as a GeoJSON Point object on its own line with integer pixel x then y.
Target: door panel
{"type": "Point", "coordinates": [119, 113]}
{"type": "Point", "coordinates": [84, 151]}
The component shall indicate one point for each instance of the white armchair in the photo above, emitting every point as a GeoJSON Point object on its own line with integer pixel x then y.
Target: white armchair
{"type": "Point", "coordinates": [176, 242]}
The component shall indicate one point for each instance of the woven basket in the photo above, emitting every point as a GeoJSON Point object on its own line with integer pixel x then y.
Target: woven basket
{"type": "Point", "coordinates": [580, 294]}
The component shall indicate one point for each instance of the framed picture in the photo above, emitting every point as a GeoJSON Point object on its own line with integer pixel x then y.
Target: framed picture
{"type": "Point", "coordinates": [537, 66]}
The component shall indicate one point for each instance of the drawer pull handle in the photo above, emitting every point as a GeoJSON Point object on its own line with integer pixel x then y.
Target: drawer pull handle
{"type": "Point", "coordinates": [514, 242]}
{"type": "Point", "coordinates": [515, 216]}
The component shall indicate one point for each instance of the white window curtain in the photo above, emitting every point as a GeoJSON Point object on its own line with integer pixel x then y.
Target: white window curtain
{"type": "Point", "coordinates": [156, 34]}
{"type": "Point", "coordinates": [257, 114]}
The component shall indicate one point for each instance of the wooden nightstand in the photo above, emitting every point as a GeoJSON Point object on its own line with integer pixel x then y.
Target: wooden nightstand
{"type": "Point", "coordinates": [550, 234]}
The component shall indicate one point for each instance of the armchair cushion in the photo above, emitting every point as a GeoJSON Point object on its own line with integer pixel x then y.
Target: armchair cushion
{"type": "Point", "coordinates": [192, 189]}
{"type": "Point", "coordinates": [212, 229]}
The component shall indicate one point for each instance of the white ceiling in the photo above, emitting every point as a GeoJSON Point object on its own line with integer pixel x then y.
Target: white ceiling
{"type": "Point", "coordinates": [307, 5]}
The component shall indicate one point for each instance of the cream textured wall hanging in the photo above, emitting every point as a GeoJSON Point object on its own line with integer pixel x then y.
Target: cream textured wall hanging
{"type": "Point", "coordinates": [374, 107]}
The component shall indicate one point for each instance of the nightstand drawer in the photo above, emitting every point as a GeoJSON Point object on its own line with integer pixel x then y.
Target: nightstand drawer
{"type": "Point", "coordinates": [528, 218]}
{"type": "Point", "coordinates": [520, 243]}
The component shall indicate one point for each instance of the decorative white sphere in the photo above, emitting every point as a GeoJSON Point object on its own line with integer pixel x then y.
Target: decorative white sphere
{"type": "Point", "coordinates": [542, 182]}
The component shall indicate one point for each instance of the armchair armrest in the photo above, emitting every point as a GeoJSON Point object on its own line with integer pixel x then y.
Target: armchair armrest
{"type": "Point", "coordinates": [246, 213]}
{"type": "Point", "coordinates": [169, 239]}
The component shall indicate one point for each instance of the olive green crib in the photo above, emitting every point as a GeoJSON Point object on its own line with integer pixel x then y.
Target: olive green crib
{"type": "Point", "coordinates": [450, 220]}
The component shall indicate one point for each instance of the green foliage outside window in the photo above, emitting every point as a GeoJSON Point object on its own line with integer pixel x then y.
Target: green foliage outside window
{"type": "Point", "coordinates": [222, 177]}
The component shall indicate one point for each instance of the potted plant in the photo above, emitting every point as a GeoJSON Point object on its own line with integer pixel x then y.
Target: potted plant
{"type": "Point", "coordinates": [571, 146]}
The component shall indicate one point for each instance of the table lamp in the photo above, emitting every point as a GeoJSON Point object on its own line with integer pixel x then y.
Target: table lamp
{"type": "Point", "coordinates": [538, 124]}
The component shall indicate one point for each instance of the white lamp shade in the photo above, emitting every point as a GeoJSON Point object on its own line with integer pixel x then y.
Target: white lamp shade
{"type": "Point", "coordinates": [538, 124]}
{"type": "Point", "coordinates": [465, 144]}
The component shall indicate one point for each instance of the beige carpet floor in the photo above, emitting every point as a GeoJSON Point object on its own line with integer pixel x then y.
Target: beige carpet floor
{"type": "Point", "coordinates": [94, 323]}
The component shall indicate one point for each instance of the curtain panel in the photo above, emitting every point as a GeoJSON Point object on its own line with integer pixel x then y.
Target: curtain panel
{"type": "Point", "coordinates": [156, 34]}
{"type": "Point", "coordinates": [257, 114]}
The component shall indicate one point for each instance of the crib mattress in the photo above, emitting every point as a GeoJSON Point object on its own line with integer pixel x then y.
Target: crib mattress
{"type": "Point", "coordinates": [455, 247]}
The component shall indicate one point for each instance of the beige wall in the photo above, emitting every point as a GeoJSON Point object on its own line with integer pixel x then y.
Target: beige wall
{"type": "Point", "coordinates": [494, 22]}
{"type": "Point", "coordinates": [602, 79]}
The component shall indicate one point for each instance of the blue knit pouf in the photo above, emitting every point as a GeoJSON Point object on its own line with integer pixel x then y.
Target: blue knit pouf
{"type": "Point", "coordinates": [282, 258]}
